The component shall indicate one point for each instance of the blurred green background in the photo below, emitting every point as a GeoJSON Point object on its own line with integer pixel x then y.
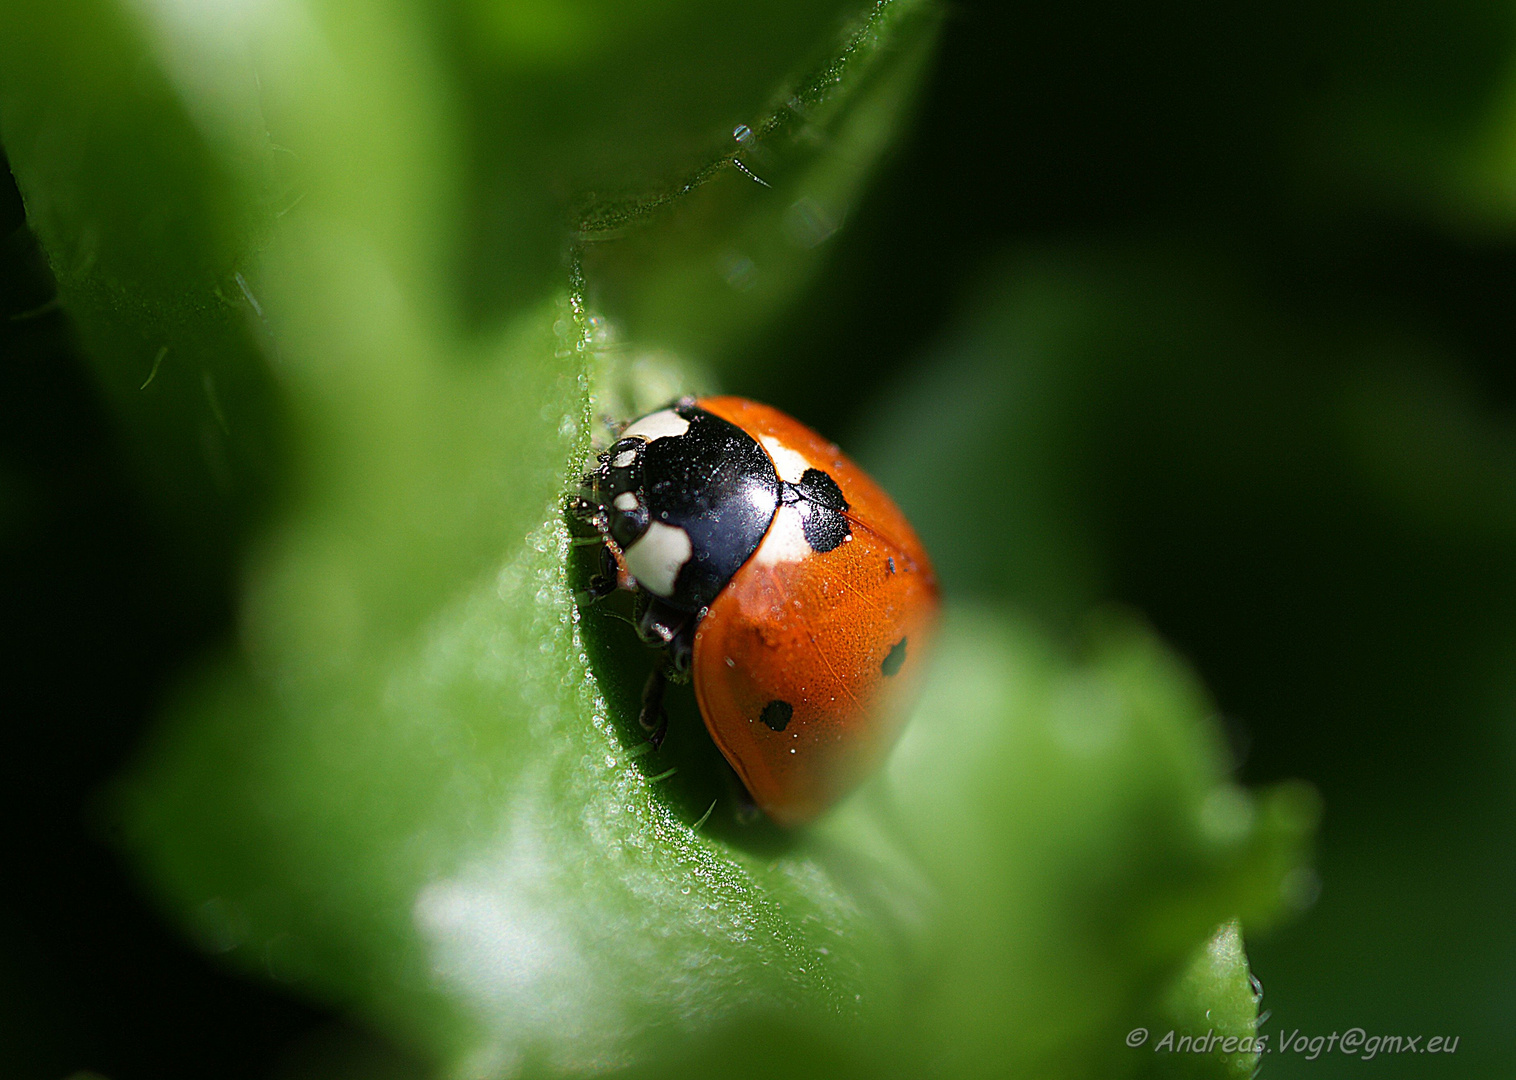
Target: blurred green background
{"type": "Point", "coordinates": [1188, 324]}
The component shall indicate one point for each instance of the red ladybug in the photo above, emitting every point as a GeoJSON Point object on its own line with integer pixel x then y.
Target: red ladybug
{"type": "Point", "coordinates": [777, 576]}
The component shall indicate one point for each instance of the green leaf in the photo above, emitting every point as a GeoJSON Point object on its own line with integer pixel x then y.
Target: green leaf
{"type": "Point", "coordinates": [667, 110]}
{"type": "Point", "coordinates": [314, 251]}
{"type": "Point", "coordinates": [1208, 1023]}
{"type": "Point", "coordinates": [699, 273]}
{"type": "Point", "coordinates": [1077, 825]}
{"type": "Point", "coordinates": [478, 853]}
{"type": "Point", "coordinates": [482, 856]}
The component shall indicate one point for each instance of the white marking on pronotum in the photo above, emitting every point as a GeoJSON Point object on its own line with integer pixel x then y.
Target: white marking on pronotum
{"type": "Point", "coordinates": [623, 459]}
{"type": "Point", "coordinates": [785, 541]}
{"type": "Point", "coordinates": [626, 502]}
{"type": "Point", "coordinates": [657, 556]}
{"type": "Point", "coordinates": [659, 425]}
{"type": "Point", "coordinates": [789, 464]}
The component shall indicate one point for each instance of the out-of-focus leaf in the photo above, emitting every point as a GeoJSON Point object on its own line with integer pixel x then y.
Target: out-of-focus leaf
{"type": "Point", "coordinates": [597, 112]}
{"type": "Point", "coordinates": [1077, 825]}
{"type": "Point", "coordinates": [1322, 504]}
{"type": "Point", "coordinates": [1000, 398]}
{"type": "Point", "coordinates": [1208, 1022]}
{"type": "Point", "coordinates": [1426, 449]}
{"type": "Point", "coordinates": [1418, 114]}
{"type": "Point", "coordinates": [147, 237]}
{"type": "Point", "coordinates": [701, 273]}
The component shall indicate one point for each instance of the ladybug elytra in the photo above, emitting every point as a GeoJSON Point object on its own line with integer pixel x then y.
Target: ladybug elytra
{"type": "Point", "coordinates": [775, 575]}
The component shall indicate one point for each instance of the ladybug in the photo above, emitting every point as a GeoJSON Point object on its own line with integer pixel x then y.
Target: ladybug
{"type": "Point", "coordinates": [776, 576]}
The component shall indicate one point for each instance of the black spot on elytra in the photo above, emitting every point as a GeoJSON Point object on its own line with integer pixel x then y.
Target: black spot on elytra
{"type": "Point", "coordinates": [776, 714]}
{"type": "Point", "coordinates": [891, 563]}
{"type": "Point", "coordinates": [821, 505]}
{"type": "Point", "coordinates": [895, 658]}
{"type": "Point", "coordinates": [824, 529]}
{"type": "Point", "coordinates": [821, 489]}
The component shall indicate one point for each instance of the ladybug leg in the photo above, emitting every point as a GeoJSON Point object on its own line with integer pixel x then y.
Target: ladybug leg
{"type": "Point", "coordinates": [603, 583]}
{"type": "Point", "coordinates": [587, 514]}
{"type": "Point", "coordinates": [653, 717]}
{"type": "Point", "coordinates": [672, 631]}
{"type": "Point", "coordinates": [681, 652]}
{"type": "Point", "coordinates": [659, 624]}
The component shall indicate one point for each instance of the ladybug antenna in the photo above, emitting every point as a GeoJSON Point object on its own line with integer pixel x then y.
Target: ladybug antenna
{"type": "Point", "coordinates": [611, 613]}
